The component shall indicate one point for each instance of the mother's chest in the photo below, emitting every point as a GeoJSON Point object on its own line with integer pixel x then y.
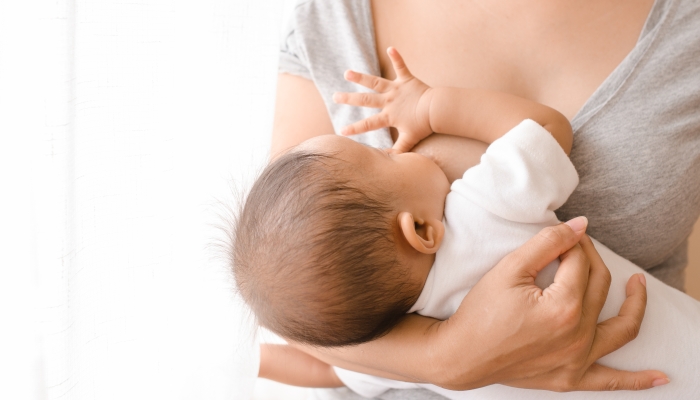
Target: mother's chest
{"type": "Point", "coordinates": [557, 57]}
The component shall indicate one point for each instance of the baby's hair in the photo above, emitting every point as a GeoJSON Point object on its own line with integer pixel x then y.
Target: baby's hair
{"type": "Point", "coordinates": [314, 256]}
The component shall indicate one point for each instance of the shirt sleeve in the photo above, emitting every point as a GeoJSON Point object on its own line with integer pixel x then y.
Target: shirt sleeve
{"type": "Point", "coordinates": [524, 176]}
{"type": "Point", "coordinates": [369, 386]}
{"type": "Point", "coordinates": [293, 59]}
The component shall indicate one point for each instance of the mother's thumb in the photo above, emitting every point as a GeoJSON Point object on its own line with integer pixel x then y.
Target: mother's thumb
{"type": "Point", "coordinates": [578, 225]}
{"type": "Point", "coordinates": [549, 244]}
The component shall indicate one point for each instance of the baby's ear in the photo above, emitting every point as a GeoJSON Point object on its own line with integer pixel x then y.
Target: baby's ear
{"type": "Point", "coordinates": [423, 235]}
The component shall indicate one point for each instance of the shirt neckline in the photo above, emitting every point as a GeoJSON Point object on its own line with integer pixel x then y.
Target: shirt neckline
{"type": "Point", "coordinates": [609, 86]}
{"type": "Point", "coordinates": [612, 84]}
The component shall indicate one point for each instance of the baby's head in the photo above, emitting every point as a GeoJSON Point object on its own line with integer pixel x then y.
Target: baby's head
{"type": "Point", "coordinates": [336, 239]}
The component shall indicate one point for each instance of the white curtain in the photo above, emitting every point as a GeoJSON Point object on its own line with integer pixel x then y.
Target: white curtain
{"type": "Point", "coordinates": [122, 127]}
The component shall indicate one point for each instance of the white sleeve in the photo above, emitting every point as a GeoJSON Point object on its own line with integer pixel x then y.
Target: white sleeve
{"type": "Point", "coordinates": [523, 176]}
{"type": "Point", "coordinates": [369, 386]}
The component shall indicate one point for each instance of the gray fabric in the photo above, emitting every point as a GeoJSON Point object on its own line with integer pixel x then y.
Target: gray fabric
{"type": "Point", "coordinates": [637, 147]}
{"type": "Point", "coordinates": [636, 140]}
{"type": "Point", "coordinates": [323, 40]}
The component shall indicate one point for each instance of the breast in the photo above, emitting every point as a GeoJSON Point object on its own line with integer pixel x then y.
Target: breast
{"type": "Point", "coordinates": [557, 56]}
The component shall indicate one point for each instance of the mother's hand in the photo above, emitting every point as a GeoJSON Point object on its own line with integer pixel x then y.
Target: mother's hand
{"type": "Point", "coordinates": [509, 331]}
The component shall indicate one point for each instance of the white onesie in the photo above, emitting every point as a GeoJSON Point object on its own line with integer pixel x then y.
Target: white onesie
{"type": "Point", "coordinates": [495, 208]}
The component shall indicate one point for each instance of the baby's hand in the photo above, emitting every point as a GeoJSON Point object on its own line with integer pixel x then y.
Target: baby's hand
{"type": "Point", "coordinates": [405, 104]}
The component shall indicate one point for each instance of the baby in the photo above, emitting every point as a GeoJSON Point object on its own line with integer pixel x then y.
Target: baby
{"type": "Point", "coordinates": [337, 241]}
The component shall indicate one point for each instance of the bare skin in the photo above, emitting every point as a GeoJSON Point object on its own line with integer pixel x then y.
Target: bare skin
{"type": "Point", "coordinates": [553, 52]}
{"type": "Point", "coordinates": [294, 367]}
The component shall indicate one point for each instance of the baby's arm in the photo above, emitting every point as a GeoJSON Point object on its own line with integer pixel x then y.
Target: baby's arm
{"type": "Point", "coordinates": [418, 110]}
{"type": "Point", "coordinates": [285, 364]}
{"type": "Point", "coordinates": [487, 115]}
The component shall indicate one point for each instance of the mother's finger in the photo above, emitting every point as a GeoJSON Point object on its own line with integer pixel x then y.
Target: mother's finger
{"type": "Point", "coordinates": [545, 247]}
{"type": "Point", "coordinates": [571, 279]}
{"type": "Point", "coordinates": [598, 283]}
{"type": "Point", "coordinates": [376, 83]}
{"type": "Point", "coordinates": [599, 377]}
{"type": "Point", "coordinates": [615, 332]}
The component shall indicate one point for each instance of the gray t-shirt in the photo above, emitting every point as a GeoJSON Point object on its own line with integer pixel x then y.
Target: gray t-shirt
{"type": "Point", "coordinates": [636, 139]}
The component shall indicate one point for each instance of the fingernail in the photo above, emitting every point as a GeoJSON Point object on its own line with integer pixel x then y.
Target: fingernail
{"type": "Point", "coordinates": [335, 97]}
{"type": "Point", "coordinates": [578, 224]}
{"type": "Point", "coordinates": [348, 74]}
{"type": "Point", "coordinates": [643, 280]}
{"type": "Point", "coordinates": [660, 382]}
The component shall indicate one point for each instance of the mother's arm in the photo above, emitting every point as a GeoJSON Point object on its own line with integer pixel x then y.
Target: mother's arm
{"type": "Point", "coordinates": [506, 330]}
{"type": "Point", "coordinates": [300, 114]}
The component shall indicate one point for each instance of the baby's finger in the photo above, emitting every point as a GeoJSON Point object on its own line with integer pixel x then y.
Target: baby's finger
{"type": "Point", "coordinates": [402, 144]}
{"type": "Point", "coordinates": [372, 100]}
{"type": "Point", "coordinates": [376, 83]}
{"type": "Point", "coordinates": [397, 61]}
{"type": "Point", "coordinates": [368, 124]}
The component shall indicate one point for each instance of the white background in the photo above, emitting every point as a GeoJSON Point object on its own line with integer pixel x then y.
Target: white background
{"type": "Point", "coordinates": [123, 128]}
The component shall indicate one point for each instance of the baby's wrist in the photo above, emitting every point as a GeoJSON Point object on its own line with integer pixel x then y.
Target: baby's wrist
{"type": "Point", "coordinates": [423, 109]}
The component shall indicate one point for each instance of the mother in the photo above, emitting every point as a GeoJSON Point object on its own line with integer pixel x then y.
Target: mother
{"type": "Point", "coordinates": [626, 73]}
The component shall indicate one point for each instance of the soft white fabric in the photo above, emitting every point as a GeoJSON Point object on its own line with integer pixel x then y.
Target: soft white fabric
{"type": "Point", "coordinates": [510, 196]}
{"type": "Point", "coordinates": [499, 205]}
